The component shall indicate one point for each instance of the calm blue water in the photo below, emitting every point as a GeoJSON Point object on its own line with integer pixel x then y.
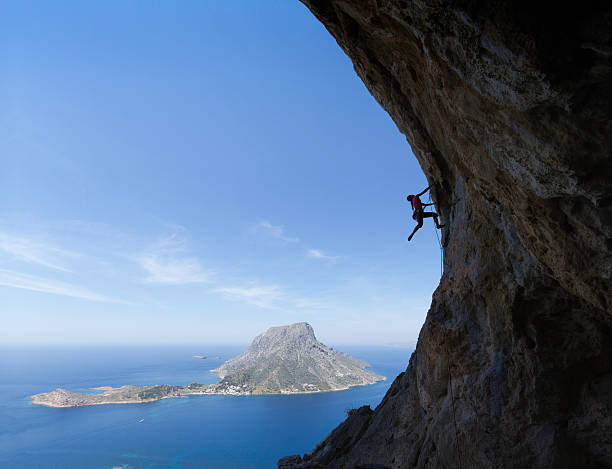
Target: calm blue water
{"type": "Point", "coordinates": [242, 432]}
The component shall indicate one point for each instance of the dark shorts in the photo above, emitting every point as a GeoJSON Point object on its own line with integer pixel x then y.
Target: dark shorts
{"type": "Point", "coordinates": [419, 214]}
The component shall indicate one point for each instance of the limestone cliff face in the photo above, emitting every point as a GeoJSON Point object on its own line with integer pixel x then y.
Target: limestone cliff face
{"type": "Point", "coordinates": [508, 107]}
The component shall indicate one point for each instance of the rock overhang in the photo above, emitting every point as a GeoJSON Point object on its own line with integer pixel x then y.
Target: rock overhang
{"type": "Point", "coordinates": [508, 108]}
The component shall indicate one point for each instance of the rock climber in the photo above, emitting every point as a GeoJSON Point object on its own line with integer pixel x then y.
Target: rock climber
{"type": "Point", "coordinates": [418, 213]}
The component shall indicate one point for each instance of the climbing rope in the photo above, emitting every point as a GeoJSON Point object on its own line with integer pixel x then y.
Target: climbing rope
{"type": "Point", "coordinates": [450, 375]}
{"type": "Point", "coordinates": [439, 243]}
{"type": "Point", "coordinates": [450, 385]}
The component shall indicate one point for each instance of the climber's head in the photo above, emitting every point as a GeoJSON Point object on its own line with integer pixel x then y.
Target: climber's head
{"type": "Point", "coordinates": [409, 198]}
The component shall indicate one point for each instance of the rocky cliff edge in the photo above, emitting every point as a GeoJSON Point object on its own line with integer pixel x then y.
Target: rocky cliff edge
{"type": "Point", "coordinates": [507, 106]}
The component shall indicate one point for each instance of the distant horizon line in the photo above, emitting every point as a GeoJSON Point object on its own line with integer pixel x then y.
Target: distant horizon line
{"type": "Point", "coordinates": [186, 344]}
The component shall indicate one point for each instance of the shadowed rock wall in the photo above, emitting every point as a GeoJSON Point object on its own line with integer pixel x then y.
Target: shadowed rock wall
{"type": "Point", "coordinates": [508, 107]}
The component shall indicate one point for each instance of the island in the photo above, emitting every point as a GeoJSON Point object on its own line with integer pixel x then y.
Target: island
{"type": "Point", "coordinates": [282, 360]}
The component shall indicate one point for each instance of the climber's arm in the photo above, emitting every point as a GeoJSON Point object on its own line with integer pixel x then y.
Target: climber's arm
{"type": "Point", "coordinates": [424, 190]}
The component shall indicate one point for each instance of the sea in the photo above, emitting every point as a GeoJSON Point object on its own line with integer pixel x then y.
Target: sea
{"type": "Point", "coordinates": [241, 432]}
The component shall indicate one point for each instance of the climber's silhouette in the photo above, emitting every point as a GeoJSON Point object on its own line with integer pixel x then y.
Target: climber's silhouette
{"type": "Point", "coordinates": [418, 214]}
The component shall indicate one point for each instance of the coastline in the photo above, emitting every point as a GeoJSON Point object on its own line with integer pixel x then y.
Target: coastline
{"type": "Point", "coordinates": [35, 401]}
{"type": "Point", "coordinates": [36, 398]}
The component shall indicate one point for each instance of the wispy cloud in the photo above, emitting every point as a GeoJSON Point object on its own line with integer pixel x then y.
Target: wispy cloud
{"type": "Point", "coordinates": [318, 254]}
{"type": "Point", "coordinates": [90, 228]}
{"type": "Point", "coordinates": [275, 232]}
{"type": "Point", "coordinates": [312, 303]}
{"type": "Point", "coordinates": [270, 297]}
{"type": "Point", "coordinates": [167, 262]}
{"type": "Point", "coordinates": [10, 278]}
{"type": "Point", "coordinates": [264, 296]}
{"type": "Point", "coordinates": [36, 252]}
{"type": "Point", "coordinates": [167, 270]}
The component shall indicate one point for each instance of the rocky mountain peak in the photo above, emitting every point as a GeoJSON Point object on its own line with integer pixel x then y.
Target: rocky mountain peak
{"type": "Point", "coordinates": [289, 359]}
{"type": "Point", "coordinates": [300, 333]}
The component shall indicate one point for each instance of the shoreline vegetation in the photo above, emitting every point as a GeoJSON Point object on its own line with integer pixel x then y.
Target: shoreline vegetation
{"type": "Point", "coordinates": [283, 360]}
{"type": "Point", "coordinates": [131, 394]}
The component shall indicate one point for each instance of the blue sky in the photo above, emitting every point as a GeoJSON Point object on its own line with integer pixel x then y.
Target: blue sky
{"type": "Point", "coordinates": [196, 172]}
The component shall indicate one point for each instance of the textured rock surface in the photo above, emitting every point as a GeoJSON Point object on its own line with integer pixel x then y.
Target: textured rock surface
{"type": "Point", "coordinates": [508, 108]}
{"type": "Point", "coordinates": [289, 359]}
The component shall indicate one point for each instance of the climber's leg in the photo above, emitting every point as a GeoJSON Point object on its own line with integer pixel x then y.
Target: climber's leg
{"type": "Point", "coordinates": [418, 216]}
{"type": "Point", "coordinates": [416, 228]}
{"type": "Point", "coordinates": [435, 217]}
